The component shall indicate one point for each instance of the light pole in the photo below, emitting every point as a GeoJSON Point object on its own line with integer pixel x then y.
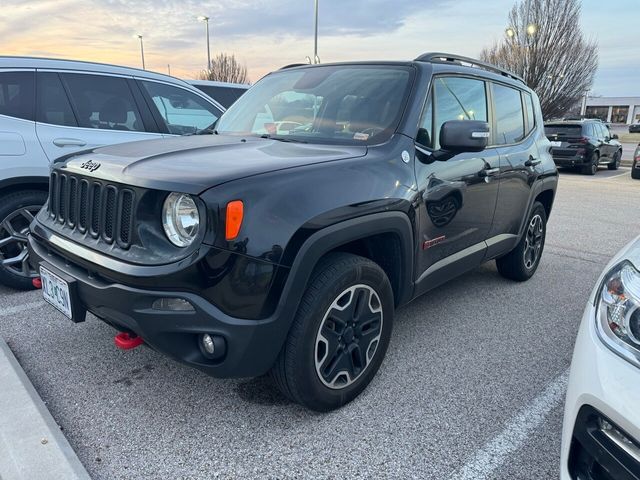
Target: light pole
{"type": "Point", "coordinates": [316, 59]}
{"type": "Point", "coordinates": [141, 49]}
{"type": "Point", "coordinates": [205, 19]}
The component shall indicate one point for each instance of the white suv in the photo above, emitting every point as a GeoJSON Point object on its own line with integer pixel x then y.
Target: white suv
{"type": "Point", "coordinates": [51, 108]}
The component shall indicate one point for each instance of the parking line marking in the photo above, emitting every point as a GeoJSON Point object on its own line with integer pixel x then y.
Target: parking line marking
{"type": "Point", "coordinates": [19, 308]}
{"type": "Point", "coordinates": [513, 436]}
{"type": "Point", "coordinates": [624, 174]}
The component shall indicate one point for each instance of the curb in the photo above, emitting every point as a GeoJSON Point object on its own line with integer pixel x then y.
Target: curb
{"type": "Point", "coordinates": [32, 445]}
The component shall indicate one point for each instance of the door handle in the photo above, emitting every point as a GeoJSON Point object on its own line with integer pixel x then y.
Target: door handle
{"type": "Point", "coordinates": [532, 162]}
{"type": "Point", "coordinates": [69, 142]}
{"type": "Point", "coordinates": [489, 172]}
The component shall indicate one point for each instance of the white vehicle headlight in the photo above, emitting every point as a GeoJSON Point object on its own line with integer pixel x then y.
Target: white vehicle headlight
{"type": "Point", "coordinates": [180, 219]}
{"type": "Point", "coordinates": [618, 311]}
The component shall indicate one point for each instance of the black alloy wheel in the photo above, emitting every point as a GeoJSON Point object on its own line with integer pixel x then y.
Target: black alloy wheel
{"type": "Point", "coordinates": [17, 211]}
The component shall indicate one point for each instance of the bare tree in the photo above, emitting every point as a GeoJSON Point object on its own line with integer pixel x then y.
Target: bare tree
{"type": "Point", "coordinates": [545, 46]}
{"type": "Point", "coordinates": [225, 68]}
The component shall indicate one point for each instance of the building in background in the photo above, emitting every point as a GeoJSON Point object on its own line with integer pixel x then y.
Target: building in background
{"type": "Point", "coordinates": [613, 109]}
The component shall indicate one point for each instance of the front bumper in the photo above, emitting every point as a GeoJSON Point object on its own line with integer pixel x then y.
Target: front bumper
{"type": "Point", "coordinates": [251, 346]}
{"type": "Point", "coordinates": [601, 385]}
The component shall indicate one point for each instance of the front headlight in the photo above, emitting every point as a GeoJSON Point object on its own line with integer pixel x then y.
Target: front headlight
{"type": "Point", "coordinates": [180, 219]}
{"type": "Point", "coordinates": [618, 311]}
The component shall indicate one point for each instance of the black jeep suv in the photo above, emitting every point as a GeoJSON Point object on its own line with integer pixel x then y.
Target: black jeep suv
{"type": "Point", "coordinates": [585, 144]}
{"type": "Point", "coordinates": [326, 197]}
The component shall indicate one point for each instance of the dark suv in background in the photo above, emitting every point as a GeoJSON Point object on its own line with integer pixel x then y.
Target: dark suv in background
{"type": "Point", "coordinates": [584, 144]}
{"type": "Point", "coordinates": [264, 248]}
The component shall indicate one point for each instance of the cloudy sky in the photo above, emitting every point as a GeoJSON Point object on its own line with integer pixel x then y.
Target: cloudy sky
{"type": "Point", "coordinates": [266, 34]}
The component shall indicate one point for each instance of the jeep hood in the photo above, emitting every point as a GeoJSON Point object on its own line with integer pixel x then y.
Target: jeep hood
{"type": "Point", "coordinates": [195, 163]}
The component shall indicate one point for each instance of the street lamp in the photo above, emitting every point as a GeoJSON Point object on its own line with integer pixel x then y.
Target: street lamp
{"type": "Point", "coordinates": [316, 59]}
{"type": "Point", "coordinates": [532, 29]}
{"type": "Point", "coordinates": [141, 49]}
{"type": "Point", "coordinates": [205, 19]}
{"type": "Point", "coordinates": [510, 32]}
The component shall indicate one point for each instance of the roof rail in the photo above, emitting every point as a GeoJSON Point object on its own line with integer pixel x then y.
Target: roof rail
{"type": "Point", "coordinates": [438, 57]}
{"type": "Point", "coordinates": [292, 65]}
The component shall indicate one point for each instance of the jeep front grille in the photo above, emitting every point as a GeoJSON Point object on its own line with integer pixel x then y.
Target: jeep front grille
{"type": "Point", "coordinates": [103, 210]}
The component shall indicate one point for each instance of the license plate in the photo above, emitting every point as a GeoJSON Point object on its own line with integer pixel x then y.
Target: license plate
{"type": "Point", "coordinates": [56, 291]}
{"type": "Point", "coordinates": [556, 144]}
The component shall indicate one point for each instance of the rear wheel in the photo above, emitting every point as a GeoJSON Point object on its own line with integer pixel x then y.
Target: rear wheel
{"type": "Point", "coordinates": [592, 167]}
{"type": "Point", "coordinates": [615, 164]}
{"type": "Point", "coordinates": [635, 172]}
{"type": "Point", "coordinates": [339, 336]}
{"type": "Point", "coordinates": [522, 262]}
{"type": "Point", "coordinates": [17, 210]}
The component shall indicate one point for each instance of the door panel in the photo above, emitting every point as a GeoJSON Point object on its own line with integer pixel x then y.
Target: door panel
{"type": "Point", "coordinates": [519, 160]}
{"type": "Point", "coordinates": [81, 111]}
{"type": "Point", "coordinates": [459, 199]}
{"type": "Point", "coordinates": [516, 182]}
{"type": "Point", "coordinates": [458, 195]}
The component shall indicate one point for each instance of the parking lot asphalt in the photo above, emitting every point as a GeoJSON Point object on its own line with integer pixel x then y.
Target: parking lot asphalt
{"type": "Point", "coordinates": [472, 386]}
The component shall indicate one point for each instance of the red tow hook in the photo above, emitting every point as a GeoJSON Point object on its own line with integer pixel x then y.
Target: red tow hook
{"type": "Point", "coordinates": [125, 341]}
{"type": "Point", "coordinates": [36, 282]}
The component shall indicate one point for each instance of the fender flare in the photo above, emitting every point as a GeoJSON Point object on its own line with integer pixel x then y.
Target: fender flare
{"type": "Point", "coordinates": [26, 182]}
{"type": "Point", "coordinates": [547, 184]}
{"type": "Point", "coordinates": [333, 236]}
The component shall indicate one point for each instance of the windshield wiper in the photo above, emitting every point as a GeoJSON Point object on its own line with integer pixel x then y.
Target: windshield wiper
{"type": "Point", "coordinates": [282, 139]}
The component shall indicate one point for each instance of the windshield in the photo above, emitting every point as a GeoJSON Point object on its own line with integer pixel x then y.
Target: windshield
{"type": "Point", "coordinates": [332, 104]}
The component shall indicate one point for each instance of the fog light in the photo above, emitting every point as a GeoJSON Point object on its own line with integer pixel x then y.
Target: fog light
{"type": "Point", "coordinates": [213, 347]}
{"type": "Point", "coordinates": [172, 304]}
{"type": "Point", "coordinates": [207, 344]}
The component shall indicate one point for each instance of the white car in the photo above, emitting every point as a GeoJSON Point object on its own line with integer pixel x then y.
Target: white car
{"type": "Point", "coordinates": [601, 431]}
{"type": "Point", "coordinates": [51, 108]}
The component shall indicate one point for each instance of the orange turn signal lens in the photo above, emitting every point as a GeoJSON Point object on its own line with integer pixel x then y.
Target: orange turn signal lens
{"type": "Point", "coordinates": [235, 213]}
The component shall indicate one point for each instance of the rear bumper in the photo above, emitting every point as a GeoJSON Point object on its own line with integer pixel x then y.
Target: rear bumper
{"type": "Point", "coordinates": [250, 346]}
{"type": "Point", "coordinates": [572, 161]}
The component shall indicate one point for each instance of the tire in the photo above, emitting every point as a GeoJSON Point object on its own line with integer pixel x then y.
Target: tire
{"type": "Point", "coordinates": [615, 164]}
{"type": "Point", "coordinates": [515, 265]}
{"type": "Point", "coordinates": [16, 212]}
{"type": "Point", "coordinates": [318, 339]}
{"type": "Point", "coordinates": [635, 172]}
{"type": "Point", "coordinates": [592, 167]}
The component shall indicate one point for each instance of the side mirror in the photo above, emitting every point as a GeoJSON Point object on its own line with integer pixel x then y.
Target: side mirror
{"type": "Point", "coordinates": [614, 136]}
{"type": "Point", "coordinates": [464, 136]}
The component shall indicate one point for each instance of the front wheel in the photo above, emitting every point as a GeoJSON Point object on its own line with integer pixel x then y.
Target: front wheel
{"type": "Point", "coordinates": [17, 210]}
{"type": "Point", "coordinates": [339, 336]}
{"type": "Point", "coordinates": [521, 263]}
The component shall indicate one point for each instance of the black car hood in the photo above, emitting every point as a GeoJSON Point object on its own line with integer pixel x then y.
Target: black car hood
{"type": "Point", "coordinates": [195, 163]}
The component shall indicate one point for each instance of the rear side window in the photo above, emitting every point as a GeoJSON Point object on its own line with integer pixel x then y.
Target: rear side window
{"type": "Point", "coordinates": [17, 94]}
{"type": "Point", "coordinates": [182, 111]}
{"type": "Point", "coordinates": [454, 98]}
{"type": "Point", "coordinates": [531, 119]}
{"type": "Point", "coordinates": [53, 103]}
{"type": "Point", "coordinates": [509, 115]}
{"type": "Point", "coordinates": [103, 102]}
{"type": "Point", "coordinates": [563, 130]}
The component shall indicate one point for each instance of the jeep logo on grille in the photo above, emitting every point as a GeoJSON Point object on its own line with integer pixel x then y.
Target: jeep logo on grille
{"type": "Point", "coordinates": [91, 166]}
